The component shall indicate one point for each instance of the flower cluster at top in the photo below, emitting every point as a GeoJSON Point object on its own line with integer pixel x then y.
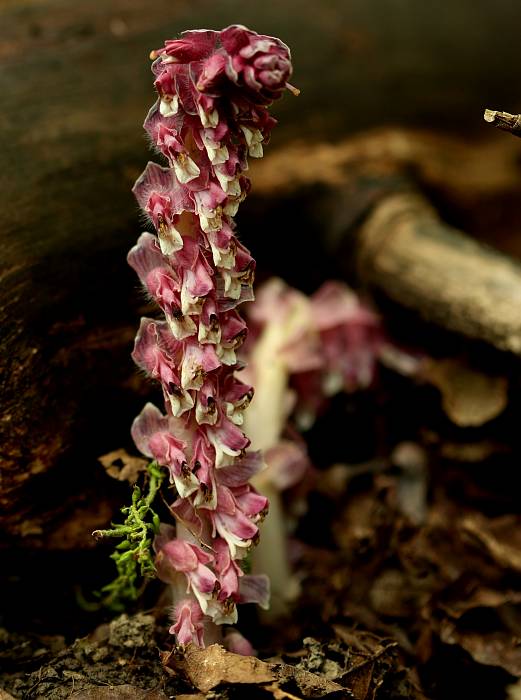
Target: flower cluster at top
{"type": "Point", "coordinates": [214, 89]}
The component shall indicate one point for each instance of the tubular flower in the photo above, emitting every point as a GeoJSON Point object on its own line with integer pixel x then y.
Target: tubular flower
{"type": "Point", "coordinates": [214, 89]}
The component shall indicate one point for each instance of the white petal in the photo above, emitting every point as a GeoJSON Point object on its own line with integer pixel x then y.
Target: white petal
{"type": "Point", "coordinates": [168, 106]}
{"type": "Point", "coordinates": [185, 169]}
{"type": "Point", "coordinates": [256, 150]}
{"type": "Point", "coordinates": [170, 240]}
{"type": "Point", "coordinates": [181, 328]}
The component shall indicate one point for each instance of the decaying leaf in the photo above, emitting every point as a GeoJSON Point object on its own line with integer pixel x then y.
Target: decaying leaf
{"type": "Point", "coordinates": [209, 668]}
{"type": "Point", "coordinates": [500, 537]}
{"type": "Point", "coordinates": [311, 685]}
{"type": "Point", "coordinates": [122, 466]}
{"type": "Point", "coordinates": [493, 648]}
{"type": "Point", "coordinates": [480, 598]}
{"type": "Point", "coordinates": [470, 398]}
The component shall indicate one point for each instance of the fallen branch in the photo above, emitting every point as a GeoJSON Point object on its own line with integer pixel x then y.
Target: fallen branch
{"type": "Point", "coordinates": [418, 261]}
{"type": "Point", "coordinates": [504, 121]}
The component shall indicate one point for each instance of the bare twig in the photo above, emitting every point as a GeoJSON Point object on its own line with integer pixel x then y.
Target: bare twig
{"type": "Point", "coordinates": [504, 121]}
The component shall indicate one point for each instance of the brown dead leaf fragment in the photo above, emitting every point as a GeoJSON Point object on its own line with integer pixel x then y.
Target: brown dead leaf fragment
{"type": "Point", "coordinates": [480, 598]}
{"type": "Point", "coordinates": [310, 685]}
{"type": "Point", "coordinates": [492, 649]}
{"type": "Point", "coordinates": [499, 537]}
{"type": "Point", "coordinates": [470, 398]}
{"type": "Point", "coordinates": [122, 466]}
{"type": "Point", "coordinates": [209, 668]}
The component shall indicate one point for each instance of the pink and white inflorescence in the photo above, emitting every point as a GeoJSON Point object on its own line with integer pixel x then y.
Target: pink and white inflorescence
{"type": "Point", "coordinates": [214, 89]}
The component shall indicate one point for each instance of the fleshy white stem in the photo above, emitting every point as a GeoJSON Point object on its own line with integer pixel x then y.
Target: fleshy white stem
{"type": "Point", "coordinates": [264, 422]}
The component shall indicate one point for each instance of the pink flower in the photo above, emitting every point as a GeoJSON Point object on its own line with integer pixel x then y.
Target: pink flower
{"type": "Point", "coordinates": [164, 199]}
{"type": "Point", "coordinates": [197, 361]}
{"type": "Point", "coordinates": [262, 63]}
{"type": "Point", "coordinates": [159, 362]}
{"type": "Point", "coordinates": [227, 440]}
{"type": "Point", "coordinates": [234, 516]}
{"type": "Point", "coordinates": [209, 330]}
{"type": "Point", "coordinates": [350, 334]}
{"type": "Point", "coordinates": [227, 570]}
{"type": "Point", "coordinates": [178, 556]}
{"type": "Point", "coordinates": [188, 624]}
{"type": "Point", "coordinates": [232, 507]}
{"type": "Point", "coordinates": [166, 440]}
{"type": "Point", "coordinates": [288, 463]}
{"type": "Point", "coordinates": [234, 585]}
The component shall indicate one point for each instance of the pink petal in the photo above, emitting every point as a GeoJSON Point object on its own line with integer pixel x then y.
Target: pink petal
{"type": "Point", "coordinates": [202, 579]}
{"type": "Point", "coordinates": [185, 512]}
{"type": "Point", "coordinates": [180, 554]}
{"type": "Point", "coordinates": [227, 440]}
{"type": "Point", "coordinates": [237, 525]}
{"type": "Point", "coordinates": [188, 626]}
{"type": "Point", "coordinates": [197, 361]}
{"type": "Point", "coordinates": [193, 46]}
{"type": "Point", "coordinates": [255, 589]}
{"type": "Point", "coordinates": [287, 463]}
{"type": "Point", "coordinates": [237, 644]}
{"type": "Point", "coordinates": [250, 502]}
{"type": "Point", "coordinates": [145, 256]}
{"type": "Point", "coordinates": [225, 501]}
{"type": "Point", "coordinates": [242, 470]}
{"type": "Point", "coordinates": [149, 421]}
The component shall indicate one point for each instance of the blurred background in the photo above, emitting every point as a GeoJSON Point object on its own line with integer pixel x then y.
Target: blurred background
{"type": "Point", "coordinates": [402, 80]}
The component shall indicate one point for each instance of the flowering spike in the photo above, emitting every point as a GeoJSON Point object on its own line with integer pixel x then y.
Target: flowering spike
{"type": "Point", "coordinates": [214, 89]}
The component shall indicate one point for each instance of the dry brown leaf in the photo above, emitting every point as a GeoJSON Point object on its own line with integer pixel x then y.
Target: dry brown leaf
{"type": "Point", "coordinates": [480, 598]}
{"type": "Point", "coordinates": [492, 649]}
{"type": "Point", "coordinates": [500, 537]}
{"type": "Point", "coordinates": [470, 398]}
{"type": "Point", "coordinates": [122, 466]}
{"type": "Point", "coordinates": [309, 684]}
{"type": "Point", "coordinates": [208, 668]}
{"type": "Point", "coordinates": [365, 649]}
